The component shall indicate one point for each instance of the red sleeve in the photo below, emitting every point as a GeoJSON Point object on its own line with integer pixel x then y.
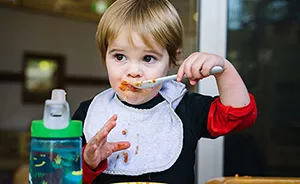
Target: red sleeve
{"type": "Point", "coordinates": [225, 119]}
{"type": "Point", "coordinates": [88, 175]}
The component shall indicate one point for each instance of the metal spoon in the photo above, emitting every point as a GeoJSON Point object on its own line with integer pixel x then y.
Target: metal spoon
{"type": "Point", "coordinates": [154, 82]}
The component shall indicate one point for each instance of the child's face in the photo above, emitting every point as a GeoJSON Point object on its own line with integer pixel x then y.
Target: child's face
{"type": "Point", "coordinates": [135, 62]}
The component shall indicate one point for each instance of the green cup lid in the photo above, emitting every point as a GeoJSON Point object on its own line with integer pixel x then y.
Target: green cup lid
{"type": "Point", "coordinates": [72, 131]}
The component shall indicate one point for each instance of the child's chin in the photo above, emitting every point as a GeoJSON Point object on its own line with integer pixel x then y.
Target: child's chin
{"type": "Point", "coordinates": [135, 99]}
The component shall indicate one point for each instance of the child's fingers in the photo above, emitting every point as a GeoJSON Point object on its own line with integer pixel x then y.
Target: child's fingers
{"type": "Point", "coordinates": [207, 66]}
{"type": "Point", "coordinates": [100, 136]}
{"type": "Point", "coordinates": [188, 66]}
{"type": "Point", "coordinates": [109, 125]}
{"type": "Point", "coordinates": [117, 146]}
{"type": "Point", "coordinates": [90, 149]}
{"type": "Point", "coordinates": [185, 67]}
{"type": "Point", "coordinates": [196, 67]}
{"type": "Point", "coordinates": [194, 82]}
{"type": "Point", "coordinates": [180, 72]}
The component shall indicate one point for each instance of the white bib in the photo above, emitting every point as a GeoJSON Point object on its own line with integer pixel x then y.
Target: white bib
{"type": "Point", "coordinates": [156, 134]}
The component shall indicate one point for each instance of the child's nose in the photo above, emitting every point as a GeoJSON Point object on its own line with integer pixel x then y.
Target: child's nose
{"type": "Point", "coordinates": [134, 70]}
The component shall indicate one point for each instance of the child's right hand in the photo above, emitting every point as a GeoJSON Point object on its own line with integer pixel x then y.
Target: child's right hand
{"type": "Point", "coordinates": [98, 149]}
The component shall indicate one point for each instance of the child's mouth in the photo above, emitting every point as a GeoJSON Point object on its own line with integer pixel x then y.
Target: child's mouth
{"type": "Point", "coordinates": [127, 86]}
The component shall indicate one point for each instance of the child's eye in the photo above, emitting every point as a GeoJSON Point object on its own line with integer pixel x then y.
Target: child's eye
{"type": "Point", "coordinates": [149, 59]}
{"type": "Point", "coordinates": [120, 57]}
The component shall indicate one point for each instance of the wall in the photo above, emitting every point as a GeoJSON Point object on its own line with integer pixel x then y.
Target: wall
{"type": "Point", "coordinates": [42, 33]}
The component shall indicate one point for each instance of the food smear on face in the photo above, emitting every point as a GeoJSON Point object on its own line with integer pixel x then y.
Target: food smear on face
{"type": "Point", "coordinates": [122, 86]}
{"type": "Point", "coordinates": [127, 86]}
{"type": "Point", "coordinates": [125, 154]}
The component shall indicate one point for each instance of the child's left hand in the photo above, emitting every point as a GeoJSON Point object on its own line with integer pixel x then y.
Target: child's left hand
{"type": "Point", "coordinates": [197, 61]}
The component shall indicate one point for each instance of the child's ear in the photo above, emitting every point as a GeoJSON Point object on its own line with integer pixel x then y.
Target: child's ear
{"type": "Point", "coordinates": [178, 53]}
{"type": "Point", "coordinates": [178, 56]}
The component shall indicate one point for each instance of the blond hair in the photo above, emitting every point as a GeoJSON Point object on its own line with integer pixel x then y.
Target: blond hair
{"type": "Point", "coordinates": [155, 18]}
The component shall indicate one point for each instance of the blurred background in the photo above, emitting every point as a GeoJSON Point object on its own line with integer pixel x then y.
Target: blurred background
{"type": "Point", "coordinates": [51, 44]}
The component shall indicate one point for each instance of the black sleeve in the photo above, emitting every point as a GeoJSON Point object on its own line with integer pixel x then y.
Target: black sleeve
{"type": "Point", "coordinates": [193, 110]}
{"type": "Point", "coordinates": [80, 114]}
